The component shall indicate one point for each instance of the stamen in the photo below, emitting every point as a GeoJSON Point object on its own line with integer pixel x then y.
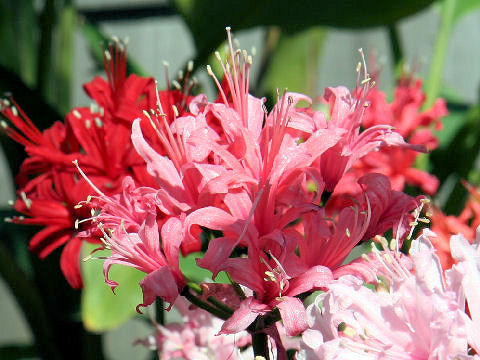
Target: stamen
{"type": "Point", "coordinates": [27, 201]}
{"type": "Point", "coordinates": [97, 190]}
{"type": "Point", "coordinates": [176, 85]}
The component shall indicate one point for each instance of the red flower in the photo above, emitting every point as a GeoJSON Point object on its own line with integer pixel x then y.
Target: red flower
{"type": "Point", "coordinates": [99, 138]}
{"type": "Point", "coordinates": [405, 115]}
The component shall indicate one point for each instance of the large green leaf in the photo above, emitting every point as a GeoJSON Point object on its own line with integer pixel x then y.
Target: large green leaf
{"type": "Point", "coordinates": [101, 309]}
{"type": "Point", "coordinates": [290, 15]}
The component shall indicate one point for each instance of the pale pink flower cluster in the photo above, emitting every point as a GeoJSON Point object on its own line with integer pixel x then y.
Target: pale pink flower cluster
{"type": "Point", "coordinates": [415, 312]}
{"type": "Point", "coordinates": [195, 337]}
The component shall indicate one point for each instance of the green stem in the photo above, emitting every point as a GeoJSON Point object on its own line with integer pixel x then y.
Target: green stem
{"type": "Point", "coordinates": [260, 345]}
{"type": "Point", "coordinates": [220, 305]}
{"type": "Point", "coordinates": [441, 45]}
{"type": "Point", "coordinates": [203, 305]}
{"type": "Point", "coordinates": [64, 57]}
{"type": "Point", "coordinates": [237, 288]}
{"type": "Point", "coordinates": [195, 287]}
{"type": "Point", "coordinates": [47, 19]}
{"type": "Point", "coordinates": [159, 311]}
{"type": "Point", "coordinates": [395, 46]}
{"type": "Point", "coordinates": [30, 302]}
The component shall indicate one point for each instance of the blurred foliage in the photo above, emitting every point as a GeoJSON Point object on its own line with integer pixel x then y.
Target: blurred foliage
{"type": "Point", "coordinates": [37, 41]}
{"type": "Point", "coordinates": [289, 15]}
{"type": "Point", "coordinates": [102, 309]}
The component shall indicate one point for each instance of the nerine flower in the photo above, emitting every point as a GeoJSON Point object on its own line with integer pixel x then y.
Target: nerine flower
{"type": "Point", "coordinates": [408, 316]}
{"type": "Point", "coordinates": [196, 337]}
{"type": "Point", "coordinates": [99, 138]}
{"type": "Point", "coordinates": [447, 225]}
{"type": "Point", "coordinates": [415, 126]}
{"type": "Point", "coordinates": [347, 111]}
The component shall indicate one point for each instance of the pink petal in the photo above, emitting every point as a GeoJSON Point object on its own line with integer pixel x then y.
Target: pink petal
{"type": "Point", "coordinates": [159, 283]}
{"type": "Point", "coordinates": [172, 236]}
{"type": "Point", "coordinates": [315, 278]}
{"type": "Point", "coordinates": [293, 314]}
{"type": "Point", "coordinates": [161, 168]}
{"type": "Point", "coordinates": [248, 311]}
{"type": "Point", "coordinates": [219, 250]}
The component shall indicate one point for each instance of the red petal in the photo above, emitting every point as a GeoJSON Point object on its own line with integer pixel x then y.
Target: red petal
{"type": "Point", "coordinates": [69, 263]}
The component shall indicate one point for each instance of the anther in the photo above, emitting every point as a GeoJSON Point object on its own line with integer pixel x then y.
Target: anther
{"type": "Point", "coordinates": [176, 85]}
{"type": "Point", "coordinates": [209, 70]}
{"type": "Point", "coordinates": [175, 110]}
{"type": "Point", "coordinates": [27, 201]}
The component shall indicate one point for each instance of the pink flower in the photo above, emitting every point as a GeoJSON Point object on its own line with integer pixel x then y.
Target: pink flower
{"type": "Point", "coordinates": [128, 226]}
{"type": "Point", "coordinates": [347, 111]}
{"type": "Point", "coordinates": [407, 317]}
{"type": "Point", "coordinates": [405, 115]}
{"type": "Point", "coordinates": [468, 272]}
{"type": "Point", "coordinates": [196, 338]}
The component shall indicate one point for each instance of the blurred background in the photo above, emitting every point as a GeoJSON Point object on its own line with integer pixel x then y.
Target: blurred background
{"type": "Point", "coordinates": [48, 49]}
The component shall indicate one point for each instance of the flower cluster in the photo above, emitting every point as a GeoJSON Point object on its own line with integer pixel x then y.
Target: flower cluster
{"type": "Point", "coordinates": [99, 138]}
{"type": "Point", "coordinates": [419, 315]}
{"type": "Point", "coordinates": [152, 175]}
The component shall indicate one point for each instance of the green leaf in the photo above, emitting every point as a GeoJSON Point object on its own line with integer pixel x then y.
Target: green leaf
{"type": "Point", "coordinates": [101, 309]}
{"type": "Point", "coordinates": [463, 7]}
{"type": "Point", "coordinates": [456, 158]}
{"type": "Point", "coordinates": [436, 68]}
{"type": "Point", "coordinates": [290, 16]}
{"type": "Point", "coordinates": [64, 58]}
{"type": "Point", "coordinates": [18, 50]}
{"type": "Point", "coordinates": [195, 273]}
{"type": "Point", "coordinates": [294, 63]}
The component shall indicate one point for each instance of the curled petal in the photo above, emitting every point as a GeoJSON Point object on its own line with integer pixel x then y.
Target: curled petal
{"type": "Point", "coordinates": [315, 278]}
